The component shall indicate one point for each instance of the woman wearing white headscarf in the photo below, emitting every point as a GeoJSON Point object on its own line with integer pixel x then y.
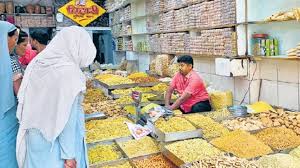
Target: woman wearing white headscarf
{"type": "Point", "coordinates": [51, 133]}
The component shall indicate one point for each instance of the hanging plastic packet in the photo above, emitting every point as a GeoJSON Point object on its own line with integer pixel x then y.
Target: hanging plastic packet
{"type": "Point", "coordinates": [138, 131]}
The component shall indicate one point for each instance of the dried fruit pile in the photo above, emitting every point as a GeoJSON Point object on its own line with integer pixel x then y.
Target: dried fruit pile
{"type": "Point", "coordinates": [242, 144]}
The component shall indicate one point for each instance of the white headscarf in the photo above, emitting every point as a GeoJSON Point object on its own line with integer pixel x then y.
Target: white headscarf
{"type": "Point", "coordinates": [51, 83]}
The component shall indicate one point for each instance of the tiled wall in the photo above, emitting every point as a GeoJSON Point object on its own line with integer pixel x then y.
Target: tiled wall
{"type": "Point", "coordinates": [275, 81]}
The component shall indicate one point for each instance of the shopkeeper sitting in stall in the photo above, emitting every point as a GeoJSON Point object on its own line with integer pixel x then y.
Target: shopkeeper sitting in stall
{"type": "Point", "coordinates": [190, 86]}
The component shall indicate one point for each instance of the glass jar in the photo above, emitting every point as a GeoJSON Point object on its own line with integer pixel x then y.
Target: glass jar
{"type": "Point", "coordinates": [259, 44]}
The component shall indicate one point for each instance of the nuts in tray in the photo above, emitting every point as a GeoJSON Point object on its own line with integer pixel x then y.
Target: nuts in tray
{"type": "Point", "coordinates": [129, 91]}
{"type": "Point", "coordinates": [103, 153]}
{"type": "Point", "coordinates": [242, 144]}
{"type": "Point", "coordinates": [279, 138]}
{"type": "Point", "coordinates": [157, 161]}
{"type": "Point", "coordinates": [122, 165]}
{"type": "Point", "coordinates": [112, 80]}
{"type": "Point", "coordinates": [147, 79]}
{"type": "Point", "coordinates": [94, 96]}
{"type": "Point", "coordinates": [247, 124]}
{"type": "Point", "coordinates": [162, 87]}
{"type": "Point", "coordinates": [218, 115]}
{"type": "Point", "coordinates": [137, 75]}
{"type": "Point", "coordinates": [296, 152]}
{"type": "Point", "coordinates": [210, 128]}
{"type": "Point", "coordinates": [223, 161]}
{"type": "Point", "coordinates": [279, 161]}
{"type": "Point", "coordinates": [289, 120]}
{"type": "Point", "coordinates": [110, 108]}
{"type": "Point", "coordinates": [101, 130]}
{"type": "Point", "coordinates": [142, 147]}
{"type": "Point", "coordinates": [128, 99]}
{"type": "Point", "coordinates": [174, 124]}
{"type": "Point", "coordinates": [192, 150]}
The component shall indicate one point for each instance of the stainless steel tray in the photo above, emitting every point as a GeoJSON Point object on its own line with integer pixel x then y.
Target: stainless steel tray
{"type": "Point", "coordinates": [148, 84]}
{"type": "Point", "coordinates": [173, 158]}
{"type": "Point", "coordinates": [122, 159]}
{"type": "Point", "coordinates": [119, 141]}
{"type": "Point", "coordinates": [110, 140]}
{"type": "Point", "coordinates": [123, 86]}
{"type": "Point", "coordinates": [95, 116]}
{"type": "Point", "coordinates": [176, 136]}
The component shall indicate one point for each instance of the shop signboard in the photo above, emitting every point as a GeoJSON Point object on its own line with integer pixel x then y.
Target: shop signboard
{"type": "Point", "coordinates": [82, 12]}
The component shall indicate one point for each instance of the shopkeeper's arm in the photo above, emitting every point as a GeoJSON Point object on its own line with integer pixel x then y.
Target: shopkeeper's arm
{"type": "Point", "coordinates": [168, 96]}
{"type": "Point", "coordinates": [181, 100]}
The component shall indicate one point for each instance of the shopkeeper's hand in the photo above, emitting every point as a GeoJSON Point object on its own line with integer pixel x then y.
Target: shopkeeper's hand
{"type": "Point", "coordinates": [70, 163]}
{"type": "Point", "coordinates": [168, 107]}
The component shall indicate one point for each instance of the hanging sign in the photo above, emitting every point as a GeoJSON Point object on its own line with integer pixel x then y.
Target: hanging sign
{"type": "Point", "coordinates": [82, 12]}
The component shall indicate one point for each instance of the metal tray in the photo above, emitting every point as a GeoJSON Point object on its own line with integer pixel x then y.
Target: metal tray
{"type": "Point", "coordinates": [176, 136]}
{"type": "Point", "coordinates": [110, 140]}
{"type": "Point", "coordinates": [123, 157]}
{"type": "Point", "coordinates": [114, 163]}
{"type": "Point", "coordinates": [173, 158]}
{"type": "Point", "coordinates": [123, 86]}
{"type": "Point", "coordinates": [119, 141]}
{"type": "Point", "coordinates": [149, 84]}
{"type": "Point", "coordinates": [95, 116]}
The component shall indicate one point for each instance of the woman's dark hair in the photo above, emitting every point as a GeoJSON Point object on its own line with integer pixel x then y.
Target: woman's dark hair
{"type": "Point", "coordinates": [186, 59]}
{"type": "Point", "coordinates": [22, 36]}
{"type": "Point", "coordinates": [10, 34]}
